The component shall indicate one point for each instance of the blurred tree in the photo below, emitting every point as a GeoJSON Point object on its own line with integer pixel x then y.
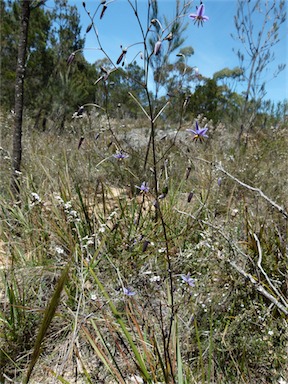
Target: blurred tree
{"type": "Point", "coordinates": [257, 26]}
{"type": "Point", "coordinates": [229, 77]}
{"type": "Point", "coordinates": [113, 93]}
{"type": "Point", "coordinates": [53, 35]}
{"type": "Point", "coordinates": [37, 52]}
{"type": "Point", "coordinates": [171, 37]}
{"type": "Point", "coordinates": [178, 82]}
{"type": "Point", "coordinates": [206, 100]}
{"type": "Point", "coordinates": [230, 102]}
{"type": "Point", "coordinates": [25, 10]}
{"type": "Point", "coordinates": [10, 13]}
{"type": "Point", "coordinates": [66, 87]}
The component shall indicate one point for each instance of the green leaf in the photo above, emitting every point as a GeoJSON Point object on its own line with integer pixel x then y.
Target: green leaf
{"type": "Point", "coordinates": [48, 317]}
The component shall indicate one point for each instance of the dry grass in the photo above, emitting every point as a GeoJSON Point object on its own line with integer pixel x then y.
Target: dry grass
{"type": "Point", "coordinates": [109, 231]}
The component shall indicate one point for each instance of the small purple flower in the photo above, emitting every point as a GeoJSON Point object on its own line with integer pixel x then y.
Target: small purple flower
{"type": "Point", "coordinates": [219, 181]}
{"type": "Point", "coordinates": [199, 133]}
{"type": "Point", "coordinates": [187, 279]}
{"type": "Point", "coordinates": [144, 187]}
{"type": "Point", "coordinates": [128, 292]}
{"type": "Point", "coordinates": [121, 155]}
{"type": "Point", "coordinates": [157, 48]}
{"type": "Point", "coordinates": [199, 17]}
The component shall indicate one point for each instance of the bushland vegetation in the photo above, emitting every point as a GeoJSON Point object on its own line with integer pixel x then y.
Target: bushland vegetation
{"type": "Point", "coordinates": [146, 241]}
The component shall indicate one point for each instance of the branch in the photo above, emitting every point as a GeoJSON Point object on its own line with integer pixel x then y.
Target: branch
{"type": "Point", "coordinates": [139, 104]}
{"type": "Point", "coordinates": [259, 287]}
{"type": "Point", "coordinates": [253, 281]}
{"type": "Point", "coordinates": [265, 274]}
{"type": "Point", "coordinates": [271, 202]}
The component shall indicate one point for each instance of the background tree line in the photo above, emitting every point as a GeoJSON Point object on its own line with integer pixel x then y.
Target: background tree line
{"type": "Point", "coordinates": [54, 91]}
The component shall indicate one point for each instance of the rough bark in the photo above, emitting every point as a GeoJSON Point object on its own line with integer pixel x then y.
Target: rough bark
{"type": "Point", "coordinates": [19, 97]}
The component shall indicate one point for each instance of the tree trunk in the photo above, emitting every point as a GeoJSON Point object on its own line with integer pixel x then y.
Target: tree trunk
{"type": "Point", "coordinates": [19, 97]}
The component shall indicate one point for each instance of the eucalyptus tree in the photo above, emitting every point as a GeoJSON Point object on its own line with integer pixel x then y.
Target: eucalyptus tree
{"type": "Point", "coordinates": [19, 95]}
{"type": "Point", "coordinates": [42, 39]}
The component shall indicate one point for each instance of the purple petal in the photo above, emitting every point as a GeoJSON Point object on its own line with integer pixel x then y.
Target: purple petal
{"type": "Point", "coordinates": [187, 279]}
{"type": "Point", "coordinates": [202, 132]}
{"type": "Point", "coordinates": [157, 47]}
{"type": "Point", "coordinates": [192, 131]}
{"type": "Point", "coordinates": [193, 16]}
{"type": "Point", "coordinates": [128, 292]}
{"type": "Point", "coordinates": [201, 11]}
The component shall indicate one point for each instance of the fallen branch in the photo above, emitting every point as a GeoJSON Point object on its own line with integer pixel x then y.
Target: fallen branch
{"type": "Point", "coordinates": [255, 283]}
{"type": "Point", "coordinates": [259, 287]}
{"type": "Point", "coordinates": [259, 265]}
{"type": "Point", "coordinates": [247, 186]}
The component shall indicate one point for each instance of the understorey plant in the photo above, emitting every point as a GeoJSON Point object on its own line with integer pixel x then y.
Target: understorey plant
{"type": "Point", "coordinates": [138, 275]}
{"type": "Point", "coordinates": [159, 39]}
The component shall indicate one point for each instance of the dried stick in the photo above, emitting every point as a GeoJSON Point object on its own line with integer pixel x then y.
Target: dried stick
{"type": "Point", "coordinates": [271, 202]}
{"type": "Point", "coordinates": [248, 276]}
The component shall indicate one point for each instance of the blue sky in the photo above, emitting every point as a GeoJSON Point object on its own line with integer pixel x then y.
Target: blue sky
{"type": "Point", "coordinates": [212, 43]}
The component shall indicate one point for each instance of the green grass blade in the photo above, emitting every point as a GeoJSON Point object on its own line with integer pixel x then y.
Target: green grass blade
{"type": "Point", "coordinates": [119, 320]}
{"type": "Point", "coordinates": [48, 316]}
{"type": "Point", "coordinates": [179, 358]}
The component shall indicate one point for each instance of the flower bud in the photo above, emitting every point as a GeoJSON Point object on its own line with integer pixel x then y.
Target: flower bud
{"type": "Point", "coordinates": [103, 10]}
{"type": "Point", "coordinates": [121, 57]}
{"type": "Point", "coordinates": [145, 245]}
{"type": "Point", "coordinates": [169, 37]}
{"type": "Point", "coordinates": [89, 28]}
{"type": "Point", "coordinates": [71, 58]}
{"type": "Point", "coordinates": [190, 197]}
{"type": "Point", "coordinates": [157, 48]}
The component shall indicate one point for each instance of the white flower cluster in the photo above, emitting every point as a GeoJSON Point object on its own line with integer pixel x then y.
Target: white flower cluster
{"type": "Point", "coordinates": [88, 240]}
{"type": "Point", "coordinates": [71, 214]}
{"type": "Point", "coordinates": [35, 199]}
{"type": "Point", "coordinates": [59, 250]}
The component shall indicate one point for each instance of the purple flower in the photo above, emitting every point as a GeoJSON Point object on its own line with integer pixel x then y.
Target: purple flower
{"type": "Point", "coordinates": [120, 155]}
{"type": "Point", "coordinates": [199, 17]}
{"type": "Point", "coordinates": [199, 133]}
{"type": "Point", "coordinates": [219, 181]}
{"type": "Point", "coordinates": [128, 292]}
{"type": "Point", "coordinates": [144, 187]}
{"type": "Point", "coordinates": [187, 279]}
{"type": "Point", "coordinates": [157, 48]}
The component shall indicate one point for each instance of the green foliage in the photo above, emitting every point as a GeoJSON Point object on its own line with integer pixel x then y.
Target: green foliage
{"type": "Point", "coordinates": [161, 284]}
{"type": "Point", "coordinates": [77, 217]}
{"type": "Point", "coordinates": [206, 100]}
{"type": "Point", "coordinates": [53, 35]}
